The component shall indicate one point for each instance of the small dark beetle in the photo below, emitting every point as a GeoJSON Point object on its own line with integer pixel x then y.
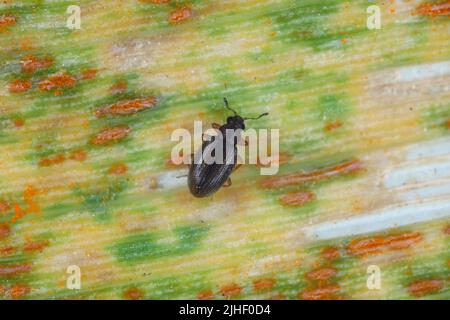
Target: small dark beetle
{"type": "Point", "coordinates": [205, 179]}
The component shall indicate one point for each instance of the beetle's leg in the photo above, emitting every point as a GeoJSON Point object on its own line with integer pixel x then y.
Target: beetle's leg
{"type": "Point", "coordinates": [237, 167]}
{"type": "Point", "coordinates": [227, 183]}
{"type": "Point", "coordinates": [215, 125]}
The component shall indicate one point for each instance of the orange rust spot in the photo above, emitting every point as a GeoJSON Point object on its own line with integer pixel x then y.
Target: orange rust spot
{"type": "Point", "coordinates": [321, 274]}
{"type": "Point", "coordinates": [19, 86]}
{"type": "Point", "coordinates": [88, 74]}
{"type": "Point", "coordinates": [323, 293]}
{"type": "Point", "coordinates": [28, 196]}
{"type": "Point", "coordinates": [4, 231]}
{"type": "Point", "coordinates": [5, 251]}
{"type": "Point", "coordinates": [31, 63]}
{"type": "Point", "coordinates": [391, 10]}
{"type": "Point", "coordinates": [231, 290]}
{"type": "Point", "coordinates": [110, 135]}
{"type": "Point", "coordinates": [423, 287]}
{"type": "Point", "coordinates": [447, 124]}
{"type": "Point", "coordinates": [348, 167]}
{"type": "Point", "coordinates": [205, 295]}
{"type": "Point", "coordinates": [17, 291]}
{"type": "Point", "coordinates": [7, 21]}
{"type": "Point", "coordinates": [377, 245]}
{"type": "Point", "coordinates": [32, 246]}
{"type": "Point", "coordinates": [119, 87]}
{"type": "Point", "coordinates": [133, 294]}
{"type": "Point", "coordinates": [344, 41]}
{"type": "Point", "coordinates": [434, 9]}
{"type": "Point", "coordinates": [14, 269]}
{"type": "Point", "coordinates": [127, 107]}
{"type": "Point", "coordinates": [50, 161]}
{"type": "Point", "coordinates": [118, 169]}
{"type": "Point", "coordinates": [19, 122]}
{"type": "Point", "coordinates": [330, 253]}
{"type": "Point", "coordinates": [297, 198]}
{"type": "Point", "coordinates": [330, 126]}
{"type": "Point", "coordinates": [180, 15]}
{"type": "Point", "coordinates": [78, 155]}
{"type": "Point", "coordinates": [56, 82]}
{"type": "Point", "coordinates": [263, 284]}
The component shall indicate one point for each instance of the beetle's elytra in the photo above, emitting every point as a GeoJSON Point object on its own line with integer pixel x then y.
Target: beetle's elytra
{"type": "Point", "coordinates": [205, 179]}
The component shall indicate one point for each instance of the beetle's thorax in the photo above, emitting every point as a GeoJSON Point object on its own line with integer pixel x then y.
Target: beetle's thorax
{"type": "Point", "coordinates": [235, 122]}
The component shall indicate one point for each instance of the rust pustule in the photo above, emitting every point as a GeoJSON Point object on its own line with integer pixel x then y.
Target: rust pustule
{"type": "Point", "coordinates": [7, 21]}
{"type": "Point", "coordinates": [180, 15]}
{"type": "Point", "coordinates": [434, 9]}
{"type": "Point", "coordinates": [89, 74]}
{"type": "Point", "coordinates": [230, 290]}
{"type": "Point", "coordinates": [56, 82]}
{"type": "Point", "coordinates": [19, 86]}
{"type": "Point", "coordinates": [447, 124]}
{"type": "Point", "coordinates": [118, 169]}
{"type": "Point", "coordinates": [54, 160]}
{"type": "Point", "coordinates": [133, 294]}
{"type": "Point", "coordinates": [330, 253]}
{"type": "Point", "coordinates": [35, 246]}
{"type": "Point", "coordinates": [423, 287]}
{"type": "Point", "coordinates": [331, 126]}
{"type": "Point", "coordinates": [14, 269]}
{"type": "Point", "coordinates": [348, 167]}
{"type": "Point", "coordinates": [4, 229]}
{"type": "Point", "coordinates": [126, 107]}
{"type": "Point", "coordinates": [321, 293]}
{"type": "Point", "coordinates": [119, 87]}
{"type": "Point", "coordinates": [297, 198]}
{"type": "Point", "coordinates": [19, 122]}
{"type": "Point", "coordinates": [110, 135]}
{"type": "Point", "coordinates": [18, 291]}
{"type": "Point", "coordinates": [263, 284]}
{"type": "Point", "coordinates": [78, 155]}
{"type": "Point", "coordinates": [6, 251]}
{"type": "Point", "coordinates": [205, 295]}
{"type": "Point", "coordinates": [321, 274]}
{"type": "Point", "coordinates": [376, 245]}
{"type": "Point", "coordinates": [31, 63]}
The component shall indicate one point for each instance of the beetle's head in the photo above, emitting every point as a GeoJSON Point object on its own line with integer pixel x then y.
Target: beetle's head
{"type": "Point", "coordinates": [236, 122]}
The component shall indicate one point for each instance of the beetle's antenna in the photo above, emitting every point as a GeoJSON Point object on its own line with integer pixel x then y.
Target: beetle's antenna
{"type": "Point", "coordinates": [261, 115]}
{"type": "Point", "coordinates": [227, 106]}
